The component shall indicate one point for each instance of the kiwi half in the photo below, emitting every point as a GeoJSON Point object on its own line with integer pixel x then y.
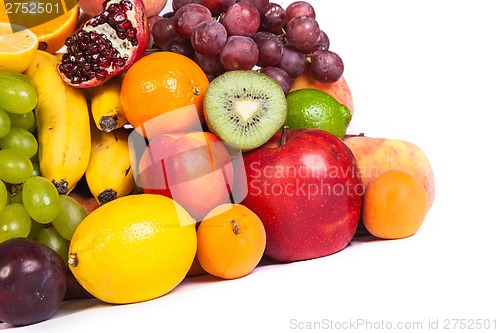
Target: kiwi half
{"type": "Point", "coordinates": [244, 108]}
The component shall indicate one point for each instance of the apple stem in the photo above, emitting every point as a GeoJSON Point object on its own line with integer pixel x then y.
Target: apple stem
{"type": "Point", "coordinates": [283, 136]}
{"type": "Point", "coordinates": [236, 229]}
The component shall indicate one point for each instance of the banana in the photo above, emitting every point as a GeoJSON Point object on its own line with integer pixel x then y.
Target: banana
{"type": "Point", "coordinates": [105, 105]}
{"type": "Point", "coordinates": [109, 173]}
{"type": "Point", "coordinates": [63, 124]}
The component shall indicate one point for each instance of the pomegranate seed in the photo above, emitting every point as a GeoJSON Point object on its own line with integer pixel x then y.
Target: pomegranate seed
{"type": "Point", "coordinates": [126, 5]}
{"type": "Point", "coordinates": [113, 8]}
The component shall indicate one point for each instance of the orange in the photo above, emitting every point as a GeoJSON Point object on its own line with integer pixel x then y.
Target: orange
{"type": "Point", "coordinates": [163, 93]}
{"type": "Point", "coordinates": [52, 34]}
{"type": "Point", "coordinates": [231, 241]}
{"type": "Point", "coordinates": [3, 13]}
{"type": "Point", "coordinates": [394, 205]}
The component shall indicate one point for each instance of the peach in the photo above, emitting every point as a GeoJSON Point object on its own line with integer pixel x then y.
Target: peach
{"type": "Point", "coordinates": [194, 169]}
{"type": "Point", "coordinates": [377, 155]}
{"type": "Point", "coordinates": [338, 89]}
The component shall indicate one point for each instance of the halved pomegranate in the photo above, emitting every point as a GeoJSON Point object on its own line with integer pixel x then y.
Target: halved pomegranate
{"type": "Point", "coordinates": [106, 45]}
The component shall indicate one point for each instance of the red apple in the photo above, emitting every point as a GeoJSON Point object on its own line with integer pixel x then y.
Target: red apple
{"type": "Point", "coordinates": [304, 185]}
{"type": "Point", "coordinates": [194, 169]}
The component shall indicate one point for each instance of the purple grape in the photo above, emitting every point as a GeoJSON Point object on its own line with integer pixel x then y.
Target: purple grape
{"type": "Point", "coordinates": [33, 281]}
{"type": "Point", "coordinates": [241, 19]}
{"type": "Point", "coordinates": [179, 45]}
{"type": "Point", "coordinates": [176, 4]}
{"type": "Point", "coordinates": [273, 19]}
{"type": "Point", "coordinates": [280, 76]}
{"type": "Point", "coordinates": [326, 66]}
{"type": "Point", "coordinates": [299, 8]}
{"type": "Point", "coordinates": [302, 32]}
{"type": "Point", "coordinates": [270, 48]}
{"type": "Point", "coordinates": [153, 19]}
{"type": "Point", "coordinates": [323, 42]}
{"type": "Point", "coordinates": [239, 53]}
{"type": "Point", "coordinates": [261, 5]}
{"type": "Point", "coordinates": [168, 14]}
{"type": "Point", "coordinates": [189, 16]}
{"type": "Point", "coordinates": [211, 65]}
{"type": "Point", "coordinates": [209, 37]}
{"type": "Point", "coordinates": [163, 30]}
{"type": "Point", "coordinates": [217, 7]}
{"type": "Point", "coordinates": [293, 61]}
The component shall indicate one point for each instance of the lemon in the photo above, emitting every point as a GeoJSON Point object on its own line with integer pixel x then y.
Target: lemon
{"type": "Point", "coordinates": [17, 47]}
{"type": "Point", "coordinates": [133, 249]}
{"type": "Point", "coordinates": [314, 108]}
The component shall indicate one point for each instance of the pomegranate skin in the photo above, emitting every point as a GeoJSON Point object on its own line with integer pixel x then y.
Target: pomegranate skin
{"type": "Point", "coordinates": [106, 45]}
{"type": "Point", "coordinates": [94, 7]}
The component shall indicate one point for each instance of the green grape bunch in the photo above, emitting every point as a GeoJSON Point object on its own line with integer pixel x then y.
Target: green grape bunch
{"type": "Point", "coordinates": [30, 205]}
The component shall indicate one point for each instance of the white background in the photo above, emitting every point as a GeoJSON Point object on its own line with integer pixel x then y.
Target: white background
{"type": "Point", "coordinates": [422, 71]}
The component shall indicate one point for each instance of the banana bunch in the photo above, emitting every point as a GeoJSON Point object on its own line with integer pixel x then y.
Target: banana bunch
{"type": "Point", "coordinates": [63, 124]}
{"type": "Point", "coordinates": [109, 173]}
{"type": "Point", "coordinates": [105, 105]}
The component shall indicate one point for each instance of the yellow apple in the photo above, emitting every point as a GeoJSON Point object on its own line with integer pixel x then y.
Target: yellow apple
{"type": "Point", "coordinates": [377, 155]}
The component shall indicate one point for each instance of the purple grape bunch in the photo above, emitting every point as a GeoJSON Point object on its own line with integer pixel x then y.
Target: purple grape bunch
{"type": "Point", "coordinates": [227, 35]}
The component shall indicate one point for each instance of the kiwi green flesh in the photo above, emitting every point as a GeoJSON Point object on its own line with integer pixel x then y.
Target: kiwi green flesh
{"type": "Point", "coordinates": [244, 108]}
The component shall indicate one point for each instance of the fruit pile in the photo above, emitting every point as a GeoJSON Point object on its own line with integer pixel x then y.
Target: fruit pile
{"type": "Point", "coordinates": [125, 170]}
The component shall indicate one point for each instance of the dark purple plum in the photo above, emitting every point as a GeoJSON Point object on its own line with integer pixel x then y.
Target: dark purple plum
{"type": "Point", "coordinates": [33, 281]}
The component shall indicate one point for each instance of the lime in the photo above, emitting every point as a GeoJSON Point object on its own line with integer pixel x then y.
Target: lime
{"type": "Point", "coordinates": [314, 108]}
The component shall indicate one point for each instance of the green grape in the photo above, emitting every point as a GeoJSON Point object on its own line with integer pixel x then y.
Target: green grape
{"type": "Point", "coordinates": [16, 75]}
{"type": "Point", "coordinates": [4, 195]}
{"type": "Point", "coordinates": [24, 120]}
{"type": "Point", "coordinates": [16, 95]}
{"type": "Point", "coordinates": [16, 196]}
{"type": "Point", "coordinates": [41, 199]}
{"type": "Point", "coordinates": [35, 229]}
{"type": "Point", "coordinates": [5, 123]}
{"type": "Point", "coordinates": [36, 169]}
{"type": "Point", "coordinates": [15, 168]}
{"type": "Point", "coordinates": [21, 140]}
{"type": "Point", "coordinates": [34, 158]}
{"type": "Point", "coordinates": [14, 222]}
{"type": "Point", "coordinates": [51, 238]}
{"type": "Point", "coordinates": [70, 216]}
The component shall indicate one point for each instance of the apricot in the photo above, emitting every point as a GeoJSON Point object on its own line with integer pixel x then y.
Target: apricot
{"type": "Point", "coordinates": [231, 241]}
{"type": "Point", "coordinates": [378, 155]}
{"type": "Point", "coordinates": [394, 205]}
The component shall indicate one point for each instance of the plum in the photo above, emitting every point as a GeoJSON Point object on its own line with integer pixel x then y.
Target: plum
{"type": "Point", "coordinates": [33, 281]}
